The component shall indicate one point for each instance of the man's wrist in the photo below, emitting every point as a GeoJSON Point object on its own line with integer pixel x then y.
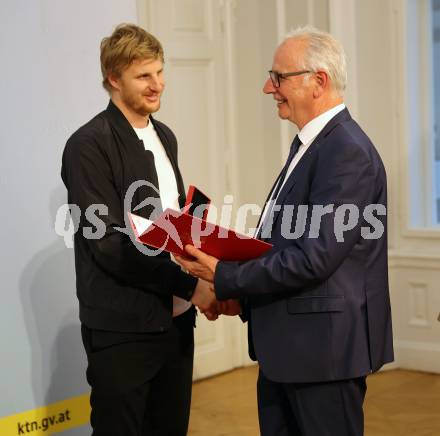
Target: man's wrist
{"type": "Point", "coordinates": [186, 285]}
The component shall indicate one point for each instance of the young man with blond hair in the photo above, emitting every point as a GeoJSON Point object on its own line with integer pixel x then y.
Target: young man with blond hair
{"type": "Point", "coordinates": [135, 309]}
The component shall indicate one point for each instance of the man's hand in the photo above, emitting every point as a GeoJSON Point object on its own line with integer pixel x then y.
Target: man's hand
{"type": "Point", "coordinates": [204, 298]}
{"type": "Point", "coordinates": [202, 267]}
{"type": "Point", "coordinates": [229, 307]}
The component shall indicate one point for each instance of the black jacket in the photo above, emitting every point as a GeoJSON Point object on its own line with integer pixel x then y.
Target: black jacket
{"type": "Point", "coordinates": [118, 287]}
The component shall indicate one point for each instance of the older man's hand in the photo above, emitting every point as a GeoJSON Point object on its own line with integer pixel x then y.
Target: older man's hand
{"type": "Point", "coordinates": [202, 266]}
{"type": "Point", "coordinates": [229, 307]}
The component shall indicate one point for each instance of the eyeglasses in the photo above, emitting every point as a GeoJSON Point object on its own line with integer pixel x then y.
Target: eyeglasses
{"type": "Point", "coordinates": [275, 76]}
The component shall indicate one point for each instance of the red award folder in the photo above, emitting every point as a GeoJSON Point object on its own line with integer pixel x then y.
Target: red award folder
{"type": "Point", "coordinates": [197, 203]}
{"type": "Point", "coordinates": [172, 230]}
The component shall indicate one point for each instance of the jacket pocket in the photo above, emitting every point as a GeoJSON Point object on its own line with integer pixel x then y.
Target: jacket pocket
{"type": "Point", "coordinates": [315, 304]}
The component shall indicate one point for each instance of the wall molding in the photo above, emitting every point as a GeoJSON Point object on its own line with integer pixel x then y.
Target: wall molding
{"type": "Point", "coordinates": [413, 259]}
{"type": "Point", "coordinates": [420, 356]}
{"type": "Point", "coordinates": [285, 126]}
{"type": "Point", "coordinates": [228, 20]}
{"type": "Point", "coordinates": [342, 20]}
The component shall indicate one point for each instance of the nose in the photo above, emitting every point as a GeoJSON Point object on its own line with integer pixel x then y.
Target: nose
{"type": "Point", "coordinates": [268, 87]}
{"type": "Point", "coordinates": [157, 83]}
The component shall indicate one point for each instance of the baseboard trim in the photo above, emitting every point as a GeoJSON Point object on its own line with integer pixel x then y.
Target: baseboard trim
{"type": "Point", "coordinates": [419, 356]}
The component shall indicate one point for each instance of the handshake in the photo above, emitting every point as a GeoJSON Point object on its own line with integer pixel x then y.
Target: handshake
{"type": "Point", "coordinates": [204, 298]}
{"type": "Point", "coordinates": [203, 266]}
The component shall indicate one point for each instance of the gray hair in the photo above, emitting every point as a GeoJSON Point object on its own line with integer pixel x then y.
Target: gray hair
{"type": "Point", "coordinates": [323, 53]}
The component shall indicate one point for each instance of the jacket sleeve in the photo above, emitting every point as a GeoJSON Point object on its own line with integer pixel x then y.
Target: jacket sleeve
{"type": "Point", "coordinates": [88, 177]}
{"type": "Point", "coordinates": [342, 178]}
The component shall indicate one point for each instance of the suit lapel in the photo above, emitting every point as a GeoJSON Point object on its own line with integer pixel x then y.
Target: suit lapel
{"type": "Point", "coordinates": [268, 198]}
{"type": "Point", "coordinates": [298, 171]}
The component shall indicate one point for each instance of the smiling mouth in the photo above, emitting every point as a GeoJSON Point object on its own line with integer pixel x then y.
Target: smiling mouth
{"type": "Point", "coordinates": [152, 98]}
{"type": "Point", "coordinates": [280, 101]}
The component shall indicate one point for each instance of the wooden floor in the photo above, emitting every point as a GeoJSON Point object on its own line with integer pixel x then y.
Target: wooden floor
{"type": "Point", "coordinates": [398, 403]}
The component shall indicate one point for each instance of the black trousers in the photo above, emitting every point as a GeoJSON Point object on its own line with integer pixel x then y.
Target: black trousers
{"type": "Point", "coordinates": [141, 382]}
{"type": "Point", "coordinates": [311, 409]}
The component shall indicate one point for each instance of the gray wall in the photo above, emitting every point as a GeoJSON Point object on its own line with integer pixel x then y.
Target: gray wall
{"type": "Point", "coordinates": [51, 85]}
{"type": "Point", "coordinates": [258, 132]}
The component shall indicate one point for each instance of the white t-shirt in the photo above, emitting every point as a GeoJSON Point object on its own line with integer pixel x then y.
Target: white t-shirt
{"type": "Point", "coordinates": [169, 194]}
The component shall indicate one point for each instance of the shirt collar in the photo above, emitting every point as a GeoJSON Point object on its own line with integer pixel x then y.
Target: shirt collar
{"type": "Point", "coordinates": [311, 130]}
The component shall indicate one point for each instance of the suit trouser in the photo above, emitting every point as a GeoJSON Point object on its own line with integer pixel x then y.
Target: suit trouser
{"type": "Point", "coordinates": [311, 409]}
{"type": "Point", "coordinates": [141, 382]}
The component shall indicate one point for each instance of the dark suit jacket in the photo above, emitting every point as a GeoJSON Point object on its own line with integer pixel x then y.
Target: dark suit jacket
{"type": "Point", "coordinates": [119, 288]}
{"type": "Point", "coordinates": [319, 308]}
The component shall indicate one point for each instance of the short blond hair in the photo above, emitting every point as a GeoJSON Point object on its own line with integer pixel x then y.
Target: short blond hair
{"type": "Point", "coordinates": [127, 43]}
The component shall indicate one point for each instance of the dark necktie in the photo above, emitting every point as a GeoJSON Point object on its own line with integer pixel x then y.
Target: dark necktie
{"type": "Point", "coordinates": [294, 147]}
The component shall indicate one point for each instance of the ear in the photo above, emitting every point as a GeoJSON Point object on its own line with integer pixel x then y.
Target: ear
{"type": "Point", "coordinates": [321, 83]}
{"type": "Point", "coordinates": [114, 81]}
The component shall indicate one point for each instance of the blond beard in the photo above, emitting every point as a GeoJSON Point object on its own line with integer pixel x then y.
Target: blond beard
{"type": "Point", "coordinates": [142, 109]}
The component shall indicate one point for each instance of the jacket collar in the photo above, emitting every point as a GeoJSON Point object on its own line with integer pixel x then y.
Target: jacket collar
{"type": "Point", "coordinates": [129, 136]}
{"type": "Point", "coordinates": [312, 129]}
{"type": "Point", "coordinates": [125, 128]}
{"type": "Point", "coordinates": [339, 118]}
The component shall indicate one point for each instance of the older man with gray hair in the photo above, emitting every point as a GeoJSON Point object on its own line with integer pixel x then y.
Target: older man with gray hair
{"type": "Point", "coordinates": [317, 306]}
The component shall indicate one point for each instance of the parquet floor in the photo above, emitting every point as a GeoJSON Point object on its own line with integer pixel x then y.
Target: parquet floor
{"type": "Point", "coordinates": [398, 403]}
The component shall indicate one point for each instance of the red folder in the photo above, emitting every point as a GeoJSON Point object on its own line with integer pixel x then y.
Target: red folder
{"type": "Point", "coordinates": [172, 230]}
{"type": "Point", "coordinates": [197, 203]}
